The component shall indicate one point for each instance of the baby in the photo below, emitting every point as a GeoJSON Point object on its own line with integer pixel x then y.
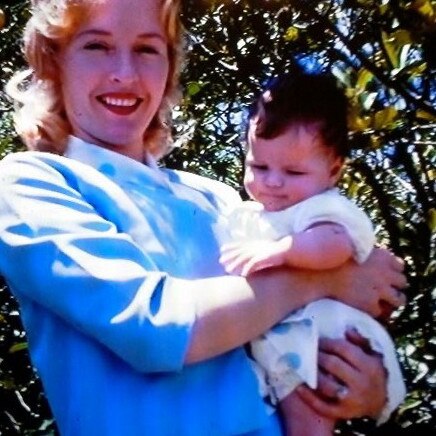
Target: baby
{"type": "Point", "coordinates": [297, 145]}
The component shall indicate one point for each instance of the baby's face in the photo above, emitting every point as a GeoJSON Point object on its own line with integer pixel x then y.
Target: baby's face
{"type": "Point", "coordinates": [289, 168]}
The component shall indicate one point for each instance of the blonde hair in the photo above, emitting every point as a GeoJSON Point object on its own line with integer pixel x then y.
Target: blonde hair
{"type": "Point", "coordinates": [40, 117]}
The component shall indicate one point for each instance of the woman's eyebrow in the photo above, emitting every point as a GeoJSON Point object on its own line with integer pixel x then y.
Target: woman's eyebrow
{"type": "Point", "coordinates": [151, 35]}
{"type": "Point", "coordinates": [93, 32]}
{"type": "Point", "coordinates": [100, 32]}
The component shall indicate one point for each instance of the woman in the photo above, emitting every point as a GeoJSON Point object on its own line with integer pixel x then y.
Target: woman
{"type": "Point", "coordinates": [131, 323]}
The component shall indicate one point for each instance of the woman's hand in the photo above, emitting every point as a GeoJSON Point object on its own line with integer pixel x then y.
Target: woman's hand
{"type": "Point", "coordinates": [373, 286]}
{"type": "Point", "coordinates": [351, 382]}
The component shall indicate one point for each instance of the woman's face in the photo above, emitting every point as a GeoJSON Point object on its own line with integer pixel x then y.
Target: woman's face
{"type": "Point", "coordinates": [113, 74]}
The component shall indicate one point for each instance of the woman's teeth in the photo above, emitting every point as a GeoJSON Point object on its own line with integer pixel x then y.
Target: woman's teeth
{"type": "Point", "coordinates": [124, 102]}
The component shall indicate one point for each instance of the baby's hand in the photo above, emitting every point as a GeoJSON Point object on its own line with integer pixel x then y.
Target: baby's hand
{"type": "Point", "coordinates": [245, 258]}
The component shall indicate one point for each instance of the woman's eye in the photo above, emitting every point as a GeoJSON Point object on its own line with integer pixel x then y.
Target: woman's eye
{"type": "Point", "coordinates": [96, 46]}
{"type": "Point", "coordinates": [147, 49]}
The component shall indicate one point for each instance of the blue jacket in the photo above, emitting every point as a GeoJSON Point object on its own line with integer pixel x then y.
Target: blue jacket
{"type": "Point", "coordinates": [91, 245]}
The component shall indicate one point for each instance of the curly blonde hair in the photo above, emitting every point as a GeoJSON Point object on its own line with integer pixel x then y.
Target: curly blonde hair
{"type": "Point", "coordinates": [40, 115]}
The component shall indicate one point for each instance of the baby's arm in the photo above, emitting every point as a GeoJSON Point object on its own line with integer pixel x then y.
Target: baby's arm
{"type": "Point", "coordinates": [323, 246]}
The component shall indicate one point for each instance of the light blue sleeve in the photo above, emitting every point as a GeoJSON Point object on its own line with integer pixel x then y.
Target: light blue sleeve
{"type": "Point", "coordinates": [66, 245]}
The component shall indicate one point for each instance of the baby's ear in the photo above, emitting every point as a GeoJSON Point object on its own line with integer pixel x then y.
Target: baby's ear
{"type": "Point", "coordinates": [336, 169]}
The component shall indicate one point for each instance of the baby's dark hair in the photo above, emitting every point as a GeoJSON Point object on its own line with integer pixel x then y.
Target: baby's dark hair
{"type": "Point", "coordinates": [303, 98]}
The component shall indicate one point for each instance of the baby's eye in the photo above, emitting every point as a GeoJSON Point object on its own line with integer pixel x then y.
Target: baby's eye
{"type": "Point", "coordinates": [96, 46]}
{"type": "Point", "coordinates": [259, 167]}
{"type": "Point", "coordinates": [295, 173]}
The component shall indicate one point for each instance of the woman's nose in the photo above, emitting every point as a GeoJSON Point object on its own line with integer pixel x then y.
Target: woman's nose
{"type": "Point", "coordinates": [123, 68]}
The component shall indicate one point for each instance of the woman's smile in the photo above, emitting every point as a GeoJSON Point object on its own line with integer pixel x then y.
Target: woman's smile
{"type": "Point", "coordinates": [120, 103]}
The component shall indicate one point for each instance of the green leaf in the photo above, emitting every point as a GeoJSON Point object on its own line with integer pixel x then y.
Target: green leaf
{"type": "Point", "coordinates": [383, 119]}
{"type": "Point", "coordinates": [401, 38]}
{"type": "Point", "coordinates": [432, 220]}
{"type": "Point", "coordinates": [389, 45]}
{"type": "Point", "coordinates": [424, 7]}
{"type": "Point", "coordinates": [422, 114]}
{"type": "Point", "coordinates": [292, 33]}
{"type": "Point", "coordinates": [397, 45]}
{"type": "Point", "coordinates": [193, 88]}
{"type": "Point", "coordinates": [363, 78]}
{"type": "Point", "coordinates": [18, 347]}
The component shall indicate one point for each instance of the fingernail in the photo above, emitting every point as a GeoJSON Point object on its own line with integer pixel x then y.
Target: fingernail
{"type": "Point", "coordinates": [342, 392]}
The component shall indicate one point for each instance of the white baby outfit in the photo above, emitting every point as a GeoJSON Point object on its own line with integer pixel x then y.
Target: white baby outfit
{"type": "Point", "coordinates": [287, 355]}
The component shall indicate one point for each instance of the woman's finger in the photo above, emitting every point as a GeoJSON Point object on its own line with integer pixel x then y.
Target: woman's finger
{"type": "Point", "coordinates": [392, 296]}
{"type": "Point", "coordinates": [343, 351]}
{"type": "Point", "coordinates": [397, 263]}
{"type": "Point", "coordinates": [355, 338]}
{"type": "Point", "coordinates": [323, 407]}
{"type": "Point", "coordinates": [328, 387]}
